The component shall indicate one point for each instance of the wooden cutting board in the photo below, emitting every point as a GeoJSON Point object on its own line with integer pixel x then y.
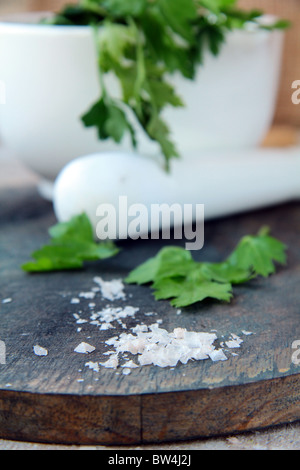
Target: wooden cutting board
{"type": "Point", "coordinates": [58, 399]}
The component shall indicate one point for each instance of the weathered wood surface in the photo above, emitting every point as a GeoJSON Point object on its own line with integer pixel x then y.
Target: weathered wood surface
{"type": "Point", "coordinates": [57, 399]}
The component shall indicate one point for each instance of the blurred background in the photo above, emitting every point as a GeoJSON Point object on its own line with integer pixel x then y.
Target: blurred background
{"type": "Point", "coordinates": [287, 114]}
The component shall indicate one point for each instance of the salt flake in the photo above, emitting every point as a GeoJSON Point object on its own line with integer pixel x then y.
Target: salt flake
{"type": "Point", "coordinates": [112, 362]}
{"type": "Point", "coordinates": [84, 348]}
{"type": "Point", "coordinates": [218, 355]}
{"type": "Point", "coordinates": [87, 295]}
{"type": "Point", "coordinates": [92, 365]}
{"type": "Point", "coordinates": [130, 365]}
{"type": "Point", "coordinates": [234, 342]}
{"type": "Point", "coordinates": [39, 351]}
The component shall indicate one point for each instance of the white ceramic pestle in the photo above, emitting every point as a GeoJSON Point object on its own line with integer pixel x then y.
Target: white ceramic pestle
{"type": "Point", "coordinates": [225, 183]}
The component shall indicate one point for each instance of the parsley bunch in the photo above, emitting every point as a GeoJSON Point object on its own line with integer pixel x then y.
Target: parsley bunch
{"type": "Point", "coordinates": [173, 274]}
{"type": "Point", "coordinates": [143, 41]}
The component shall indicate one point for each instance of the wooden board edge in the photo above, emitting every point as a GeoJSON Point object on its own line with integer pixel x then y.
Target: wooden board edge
{"type": "Point", "coordinates": [69, 419]}
{"type": "Point", "coordinates": [150, 418]}
{"type": "Point", "coordinates": [221, 411]}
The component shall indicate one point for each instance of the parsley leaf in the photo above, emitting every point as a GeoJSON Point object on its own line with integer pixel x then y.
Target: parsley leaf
{"type": "Point", "coordinates": [226, 272]}
{"type": "Point", "coordinates": [110, 121]}
{"type": "Point", "coordinates": [191, 289]}
{"type": "Point", "coordinates": [168, 262]}
{"type": "Point", "coordinates": [258, 253]}
{"type": "Point", "coordinates": [174, 274]}
{"type": "Point", "coordinates": [71, 244]}
{"type": "Point", "coordinates": [179, 15]}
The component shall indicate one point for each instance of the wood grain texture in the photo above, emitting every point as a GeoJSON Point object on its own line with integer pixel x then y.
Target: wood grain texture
{"type": "Point", "coordinates": [220, 411]}
{"type": "Point", "coordinates": [58, 399]}
{"type": "Point", "coordinates": [70, 419]}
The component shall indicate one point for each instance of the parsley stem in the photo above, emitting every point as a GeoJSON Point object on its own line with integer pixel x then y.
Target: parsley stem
{"type": "Point", "coordinates": [140, 67]}
{"type": "Point", "coordinates": [95, 28]}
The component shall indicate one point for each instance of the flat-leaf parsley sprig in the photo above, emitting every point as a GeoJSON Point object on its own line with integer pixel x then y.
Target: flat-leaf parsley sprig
{"type": "Point", "coordinates": [71, 244]}
{"type": "Point", "coordinates": [174, 274]}
{"type": "Point", "coordinates": [142, 42]}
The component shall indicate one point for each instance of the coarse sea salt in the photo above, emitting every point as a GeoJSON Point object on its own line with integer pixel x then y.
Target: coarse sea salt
{"type": "Point", "coordinates": [235, 342]}
{"type": "Point", "coordinates": [84, 348]}
{"type": "Point", "coordinates": [148, 345]}
{"type": "Point", "coordinates": [107, 315]}
{"type": "Point", "coordinates": [92, 365]}
{"type": "Point", "coordinates": [87, 295]}
{"type": "Point", "coordinates": [112, 362]}
{"type": "Point", "coordinates": [159, 347]}
{"type": "Point", "coordinates": [130, 365]}
{"type": "Point", "coordinates": [39, 351]}
{"type": "Point", "coordinates": [111, 290]}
